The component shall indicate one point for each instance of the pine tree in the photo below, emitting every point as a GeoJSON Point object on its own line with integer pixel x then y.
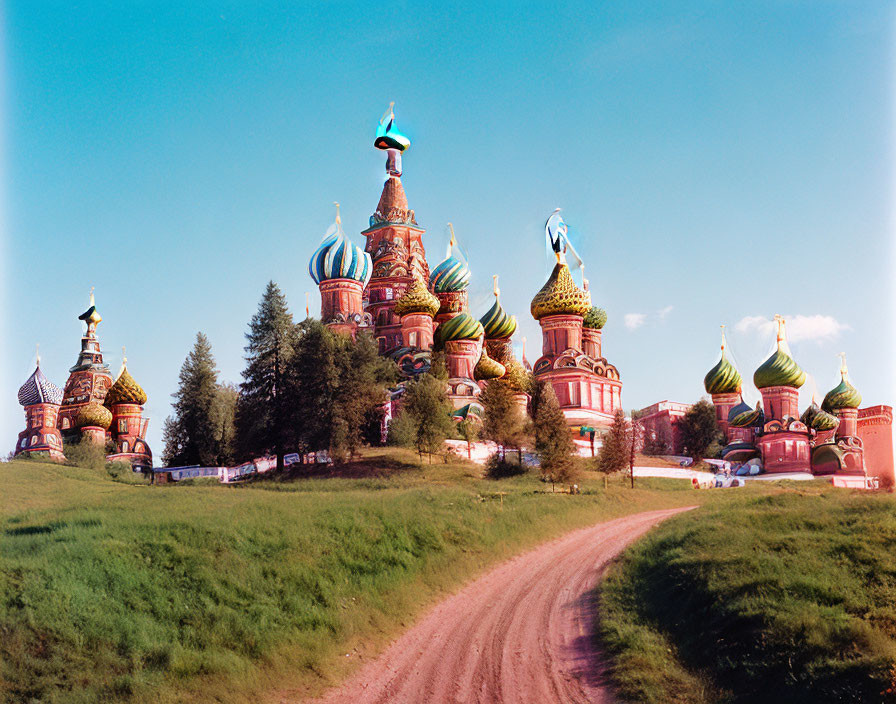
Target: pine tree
{"type": "Point", "coordinates": [553, 442]}
{"type": "Point", "coordinates": [502, 421]}
{"type": "Point", "coordinates": [190, 432]}
{"type": "Point", "coordinates": [223, 416]}
{"type": "Point", "coordinates": [313, 380]}
{"type": "Point", "coordinates": [615, 453]}
{"type": "Point", "coordinates": [425, 401]}
{"type": "Point", "coordinates": [263, 412]}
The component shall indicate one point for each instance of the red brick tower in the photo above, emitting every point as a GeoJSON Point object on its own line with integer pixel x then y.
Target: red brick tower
{"type": "Point", "coordinates": [89, 379]}
{"type": "Point", "coordinates": [40, 398]}
{"type": "Point", "coordinates": [341, 269]}
{"type": "Point", "coordinates": [394, 242]}
{"type": "Point", "coordinates": [416, 309]}
{"type": "Point", "coordinates": [126, 399]}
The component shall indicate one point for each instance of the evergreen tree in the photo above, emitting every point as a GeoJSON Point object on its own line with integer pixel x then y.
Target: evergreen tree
{"type": "Point", "coordinates": [699, 429]}
{"type": "Point", "coordinates": [190, 432]}
{"type": "Point", "coordinates": [615, 454]}
{"type": "Point", "coordinates": [502, 421]}
{"type": "Point", "coordinates": [313, 377]}
{"type": "Point", "coordinates": [553, 442]}
{"type": "Point", "coordinates": [223, 416]}
{"type": "Point", "coordinates": [263, 412]}
{"type": "Point", "coordinates": [425, 402]}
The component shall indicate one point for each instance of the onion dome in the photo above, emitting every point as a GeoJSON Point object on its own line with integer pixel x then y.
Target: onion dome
{"type": "Point", "coordinates": [461, 327]}
{"type": "Point", "coordinates": [452, 274]}
{"type": "Point", "coordinates": [595, 318]}
{"type": "Point", "coordinates": [818, 419]}
{"type": "Point", "coordinates": [742, 416]}
{"type": "Point", "coordinates": [39, 389]}
{"type": "Point", "coordinates": [337, 257]}
{"type": "Point", "coordinates": [94, 415]}
{"type": "Point", "coordinates": [496, 323]}
{"type": "Point", "coordinates": [417, 299]}
{"type": "Point", "coordinates": [844, 395]}
{"type": "Point", "coordinates": [722, 378]}
{"type": "Point", "coordinates": [387, 134]}
{"type": "Point", "coordinates": [780, 369]}
{"type": "Point", "coordinates": [91, 316]}
{"type": "Point", "coordinates": [125, 390]}
{"type": "Point", "coordinates": [560, 296]}
{"type": "Point", "coordinates": [487, 368]}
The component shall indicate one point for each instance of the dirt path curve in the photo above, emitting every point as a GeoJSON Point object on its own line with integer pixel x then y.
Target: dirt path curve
{"type": "Point", "coordinates": [520, 634]}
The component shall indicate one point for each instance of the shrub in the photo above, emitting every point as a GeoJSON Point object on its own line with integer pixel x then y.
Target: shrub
{"type": "Point", "coordinates": [498, 468]}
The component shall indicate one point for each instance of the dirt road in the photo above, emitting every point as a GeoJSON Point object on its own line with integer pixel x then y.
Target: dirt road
{"type": "Point", "coordinates": [520, 634]}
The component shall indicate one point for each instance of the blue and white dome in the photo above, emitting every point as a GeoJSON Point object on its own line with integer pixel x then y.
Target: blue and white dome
{"type": "Point", "coordinates": [39, 389]}
{"type": "Point", "coordinates": [452, 274]}
{"type": "Point", "coordinates": [338, 257]}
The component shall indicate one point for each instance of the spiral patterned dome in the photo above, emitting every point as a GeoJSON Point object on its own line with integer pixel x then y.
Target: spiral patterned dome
{"type": "Point", "coordinates": [722, 378]}
{"type": "Point", "coordinates": [496, 323]}
{"type": "Point", "coordinates": [39, 389]}
{"type": "Point", "coordinates": [595, 318]}
{"type": "Point", "coordinates": [844, 395]}
{"type": "Point", "coordinates": [460, 327]}
{"type": "Point", "coordinates": [487, 368]}
{"type": "Point", "coordinates": [818, 419]}
{"type": "Point", "coordinates": [125, 390]}
{"type": "Point", "coordinates": [560, 296]}
{"type": "Point", "coordinates": [779, 370]}
{"type": "Point", "coordinates": [742, 416]}
{"type": "Point", "coordinates": [417, 299]}
{"type": "Point", "coordinates": [451, 275]}
{"type": "Point", "coordinates": [337, 257]}
{"type": "Point", "coordinates": [94, 415]}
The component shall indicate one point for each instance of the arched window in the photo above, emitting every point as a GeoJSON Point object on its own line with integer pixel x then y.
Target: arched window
{"type": "Point", "coordinates": [124, 446]}
{"type": "Point", "coordinates": [65, 423]}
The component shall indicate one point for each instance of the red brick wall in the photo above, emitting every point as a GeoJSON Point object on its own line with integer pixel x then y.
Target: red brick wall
{"type": "Point", "coordinates": [875, 428]}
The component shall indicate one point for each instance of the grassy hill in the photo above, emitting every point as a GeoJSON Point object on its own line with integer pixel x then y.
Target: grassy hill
{"type": "Point", "coordinates": [783, 598]}
{"type": "Point", "coordinates": [118, 592]}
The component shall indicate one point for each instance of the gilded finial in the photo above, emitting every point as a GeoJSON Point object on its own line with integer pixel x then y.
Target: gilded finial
{"type": "Point", "coordinates": [307, 304]}
{"type": "Point", "coordinates": [124, 357]}
{"type": "Point", "coordinates": [92, 302]}
{"type": "Point", "coordinates": [338, 219]}
{"type": "Point", "coordinates": [497, 291]}
{"type": "Point", "coordinates": [724, 344]}
{"type": "Point", "coordinates": [779, 320]}
{"type": "Point", "coordinates": [451, 241]}
{"type": "Point", "coordinates": [844, 372]}
{"type": "Point", "coordinates": [37, 354]}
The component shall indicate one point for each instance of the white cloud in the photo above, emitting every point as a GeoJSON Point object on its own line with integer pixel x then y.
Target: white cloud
{"type": "Point", "coordinates": [663, 312]}
{"type": "Point", "coordinates": [634, 320]}
{"type": "Point", "coordinates": [799, 327]}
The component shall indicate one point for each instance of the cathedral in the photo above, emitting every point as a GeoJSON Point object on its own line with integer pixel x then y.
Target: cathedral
{"type": "Point", "coordinates": [388, 290]}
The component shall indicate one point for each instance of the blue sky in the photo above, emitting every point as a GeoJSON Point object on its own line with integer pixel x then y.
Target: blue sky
{"type": "Point", "coordinates": [716, 162]}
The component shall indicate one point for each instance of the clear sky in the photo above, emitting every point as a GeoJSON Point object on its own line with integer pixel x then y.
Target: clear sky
{"type": "Point", "coordinates": [716, 163]}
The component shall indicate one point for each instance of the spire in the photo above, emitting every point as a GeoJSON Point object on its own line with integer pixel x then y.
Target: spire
{"type": "Point", "coordinates": [724, 342]}
{"type": "Point", "coordinates": [496, 290]}
{"type": "Point", "coordinates": [307, 304]}
{"type": "Point", "coordinates": [37, 355]}
{"type": "Point", "coordinates": [844, 372]}
{"type": "Point", "coordinates": [781, 336]}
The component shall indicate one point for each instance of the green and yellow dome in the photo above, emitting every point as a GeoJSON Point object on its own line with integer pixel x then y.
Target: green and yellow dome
{"type": "Point", "coordinates": [496, 323]}
{"type": "Point", "coordinates": [780, 369]}
{"type": "Point", "coordinates": [461, 327]}
{"type": "Point", "coordinates": [93, 415]}
{"type": "Point", "coordinates": [560, 296]}
{"type": "Point", "coordinates": [742, 416]}
{"type": "Point", "coordinates": [417, 299]}
{"type": "Point", "coordinates": [819, 419]}
{"type": "Point", "coordinates": [844, 395]}
{"type": "Point", "coordinates": [595, 318]}
{"type": "Point", "coordinates": [125, 390]}
{"type": "Point", "coordinates": [723, 378]}
{"type": "Point", "coordinates": [487, 368]}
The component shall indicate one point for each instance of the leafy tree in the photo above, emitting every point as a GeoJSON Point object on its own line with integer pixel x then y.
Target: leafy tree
{"type": "Point", "coordinates": [263, 413]}
{"type": "Point", "coordinates": [657, 443]}
{"type": "Point", "coordinates": [502, 421]}
{"type": "Point", "coordinates": [615, 454]}
{"type": "Point", "coordinates": [425, 402]}
{"type": "Point", "coordinates": [553, 443]}
{"type": "Point", "coordinates": [189, 433]}
{"type": "Point", "coordinates": [699, 429]}
{"type": "Point", "coordinates": [468, 430]}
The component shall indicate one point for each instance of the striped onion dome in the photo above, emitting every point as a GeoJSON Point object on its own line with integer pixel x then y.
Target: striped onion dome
{"type": "Point", "coordinates": [461, 327]}
{"type": "Point", "coordinates": [125, 390]}
{"type": "Point", "coordinates": [560, 296]}
{"type": "Point", "coordinates": [742, 416]}
{"type": "Point", "coordinates": [780, 369]}
{"type": "Point", "coordinates": [722, 378]}
{"type": "Point", "coordinates": [417, 299]}
{"type": "Point", "coordinates": [819, 419]}
{"type": "Point", "coordinates": [844, 395]}
{"type": "Point", "coordinates": [452, 274]}
{"type": "Point", "coordinates": [94, 415]}
{"type": "Point", "coordinates": [39, 389]}
{"type": "Point", "coordinates": [337, 257]}
{"type": "Point", "coordinates": [595, 318]}
{"type": "Point", "coordinates": [496, 323]}
{"type": "Point", "coordinates": [487, 368]}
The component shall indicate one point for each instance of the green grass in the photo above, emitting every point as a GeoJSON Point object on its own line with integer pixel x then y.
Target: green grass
{"type": "Point", "coordinates": [118, 592]}
{"type": "Point", "coordinates": [788, 597]}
